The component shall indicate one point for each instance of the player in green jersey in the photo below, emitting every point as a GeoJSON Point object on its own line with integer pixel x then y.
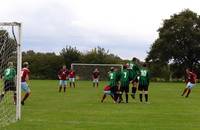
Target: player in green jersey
{"type": "Point", "coordinates": [9, 81]}
{"type": "Point", "coordinates": [134, 73]}
{"type": "Point", "coordinates": [113, 82]}
{"type": "Point", "coordinates": [124, 82]}
{"type": "Point", "coordinates": [144, 82]}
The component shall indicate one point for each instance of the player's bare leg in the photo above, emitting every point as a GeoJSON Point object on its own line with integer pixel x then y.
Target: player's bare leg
{"type": "Point", "coordinates": [185, 90]}
{"type": "Point", "coordinates": [25, 97]}
{"type": "Point", "coordinates": [134, 89]}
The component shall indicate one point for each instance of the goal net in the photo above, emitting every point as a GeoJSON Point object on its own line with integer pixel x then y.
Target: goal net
{"type": "Point", "coordinates": [10, 81]}
{"type": "Point", "coordinates": [84, 71]}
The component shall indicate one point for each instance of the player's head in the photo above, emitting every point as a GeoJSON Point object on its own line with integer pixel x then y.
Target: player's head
{"type": "Point", "coordinates": [144, 65]}
{"type": "Point", "coordinates": [64, 67]}
{"type": "Point", "coordinates": [188, 70]}
{"type": "Point", "coordinates": [25, 64]}
{"type": "Point", "coordinates": [112, 69]}
{"type": "Point", "coordinates": [10, 64]}
{"type": "Point", "coordinates": [96, 69]}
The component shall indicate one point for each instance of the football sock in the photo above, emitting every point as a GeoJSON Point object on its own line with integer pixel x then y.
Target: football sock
{"type": "Point", "coordinates": [15, 98]}
{"type": "Point", "coordinates": [188, 92]}
{"type": "Point", "coordinates": [185, 90]}
{"type": "Point", "coordinates": [60, 88]}
{"type": "Point", "coordinates": [97, 84]}
{"type": "Point", "coordinates": [25, 97]}
{"type": "Point", "coordinates": [104, 96]}
{"type": "Point", "coordinates": [126, 98]}
{"type": "Point", "coordinates": [1, 97]}
{"type": "Point", "coordinates": [64, 89]}
{"type": "Point", "coordinates": [140, 97]}
{"type": "Point", "coordinates": [133, 90]}
{"type": "Point", "coordinates": [74, 85]}
{"type": "Point", "coordinates": [146, 97]}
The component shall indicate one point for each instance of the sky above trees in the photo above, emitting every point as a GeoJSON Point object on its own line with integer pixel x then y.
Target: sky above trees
{"type": "Point", "coordinates": [126, 27]}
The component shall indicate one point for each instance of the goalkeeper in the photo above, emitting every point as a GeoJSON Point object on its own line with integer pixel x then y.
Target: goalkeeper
{"type": "Point", "coordinates": [9, 77]}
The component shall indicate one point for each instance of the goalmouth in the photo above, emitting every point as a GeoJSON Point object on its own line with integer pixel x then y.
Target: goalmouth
{"type": "Point", "coordinates": [84, 71]}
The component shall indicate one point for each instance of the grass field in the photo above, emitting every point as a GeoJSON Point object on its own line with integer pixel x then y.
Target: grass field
{"type": "Point", "coordinates": [80, 109]}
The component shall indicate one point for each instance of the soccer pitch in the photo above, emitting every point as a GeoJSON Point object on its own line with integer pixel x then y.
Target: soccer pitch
{"type": "Point", "coordinates": [80, 109]}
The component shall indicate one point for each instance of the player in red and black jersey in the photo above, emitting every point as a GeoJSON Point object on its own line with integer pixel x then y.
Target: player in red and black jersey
{"type": "Point", "coordinates": [25, 74]}
{"type": "Point", "coordinates": [191, 78]}
{"type": "Point", "coordinates": [63, 75]}
{"type": "Point", "coordinates": [72, 78]}
{"type": "Point", "coordinates": [95, 77]}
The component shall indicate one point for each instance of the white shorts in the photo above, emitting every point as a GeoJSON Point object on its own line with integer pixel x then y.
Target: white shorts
{"type": "Point", "coordinates": [63, 83]}
{"type": "Point", "coordinates": [190, 85]}
{"type": "Point", "coordinates": [25, 87]}
{"type": "Point", "coordinates": [71, 79]}
{"type": "Point", "coordinates": [95, 80]}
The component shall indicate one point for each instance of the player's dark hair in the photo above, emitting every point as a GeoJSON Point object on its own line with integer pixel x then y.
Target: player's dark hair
{"type": "Point", "coordinates": [144, 65]}
{"type": "Point", "coordinates": [25, 64]}
{"type": "Point", "coordinates": [112, 69]}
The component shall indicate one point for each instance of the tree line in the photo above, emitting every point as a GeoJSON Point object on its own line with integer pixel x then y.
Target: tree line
{"type": "Point", "coordinates": [46, 65]}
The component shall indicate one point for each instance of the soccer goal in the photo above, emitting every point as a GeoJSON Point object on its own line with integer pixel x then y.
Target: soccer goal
{"type": "Point", "coordinates": [84, 71]}
{"type": "Point", "coordinates": [10, 57]}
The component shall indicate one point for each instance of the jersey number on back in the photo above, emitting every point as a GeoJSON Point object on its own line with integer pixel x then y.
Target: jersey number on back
{"type": "Point", "coordinates": [143, 73]}
{"type": "Point", "coordinates": [125, 75]}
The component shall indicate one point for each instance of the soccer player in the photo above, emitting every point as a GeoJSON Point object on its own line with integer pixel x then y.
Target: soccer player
{"type": "Point", "coordinates": [72, 78]}
{"type": "Point", "coordinates": [25, 72]}
{"type": "Point", "coordinates": [124, 82]}
{"type": "Point", "coordinates": [9, 76]}
{"type": "Point", "coordinates": [113, 82]}
{"type": "Point", "coordinates": [144, 82]}
{"type": "Point", "coordinates": [134, 72]}
{"type": "Point", "coordinates": [95, 77]}
{"type": "Point", "coordinates": [191, 78]}
{"type": "Point", "coordinates": [62, 75]}
{"type": "Point", "coordinates": [107, 91]}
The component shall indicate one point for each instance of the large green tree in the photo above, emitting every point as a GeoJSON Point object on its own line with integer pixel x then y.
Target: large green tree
{"type": "Point", "coordinates": [178, 43]}
{"type": "Point", "coordinates": [70, 55]}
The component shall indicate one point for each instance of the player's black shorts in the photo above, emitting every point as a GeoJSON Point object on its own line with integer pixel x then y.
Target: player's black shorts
{"type": "Point", "coordinates": [9, 85]}
{"type": "Point", "coordinates": [143, 87]}
{"type": "Point", "coordinates": [124, 89]}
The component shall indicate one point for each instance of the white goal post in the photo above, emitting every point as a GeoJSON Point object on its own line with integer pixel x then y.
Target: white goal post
{"type": "Point", "coordinates": [9, 29]}
{"type": "Point", "coordinates": [85, 70]}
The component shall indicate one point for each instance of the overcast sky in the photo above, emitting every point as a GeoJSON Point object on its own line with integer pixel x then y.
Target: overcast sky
{"type": "Point", "coordinates": [126, 28]}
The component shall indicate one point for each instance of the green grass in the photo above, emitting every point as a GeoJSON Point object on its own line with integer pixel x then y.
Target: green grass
{"type": "Point", "coordinates": [80, 109]}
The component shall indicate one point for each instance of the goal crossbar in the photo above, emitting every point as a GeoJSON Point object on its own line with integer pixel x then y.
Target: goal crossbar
{"type": "Point", "coordinates": [10, 24]}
